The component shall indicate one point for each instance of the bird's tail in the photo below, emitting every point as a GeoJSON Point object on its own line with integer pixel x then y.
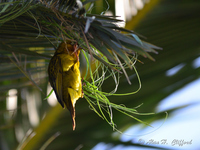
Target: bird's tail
{"type": "Point", "coordinates": [71, 105]}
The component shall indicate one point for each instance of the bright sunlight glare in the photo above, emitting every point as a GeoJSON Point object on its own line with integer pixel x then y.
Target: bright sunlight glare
{"type": "Point", "coordinates": [32, 109]}
{"type": "Point", "coordinates": [119, 11]}
{"type": "Point", "coordinates": [125, 9]}
{"type": "Point", "coordinates": [52, 101]}
{"type": "Point", "coordinates": [11, 100]}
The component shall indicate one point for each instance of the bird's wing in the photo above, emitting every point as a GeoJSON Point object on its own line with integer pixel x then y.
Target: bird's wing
{"type": "Point", "coordinates": [67, 62]}
{"type": "Point", "coordinates": [55, 78]}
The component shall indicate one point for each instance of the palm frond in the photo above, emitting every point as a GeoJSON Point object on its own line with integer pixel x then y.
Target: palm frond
{"type": "Point", "coordinates": [45, 21]}
{"type": "Point", "coordinates": [31, 30]}
{"type": "Point", "coordinates": [44, 24]}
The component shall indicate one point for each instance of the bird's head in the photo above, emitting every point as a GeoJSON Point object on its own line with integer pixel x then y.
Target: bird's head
{"type": "Point", "coordinates": [68, 47]}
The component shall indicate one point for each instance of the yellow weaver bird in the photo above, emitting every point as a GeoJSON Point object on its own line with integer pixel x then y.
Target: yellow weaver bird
{"type": "Point", "coordinates": [64, 76]}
